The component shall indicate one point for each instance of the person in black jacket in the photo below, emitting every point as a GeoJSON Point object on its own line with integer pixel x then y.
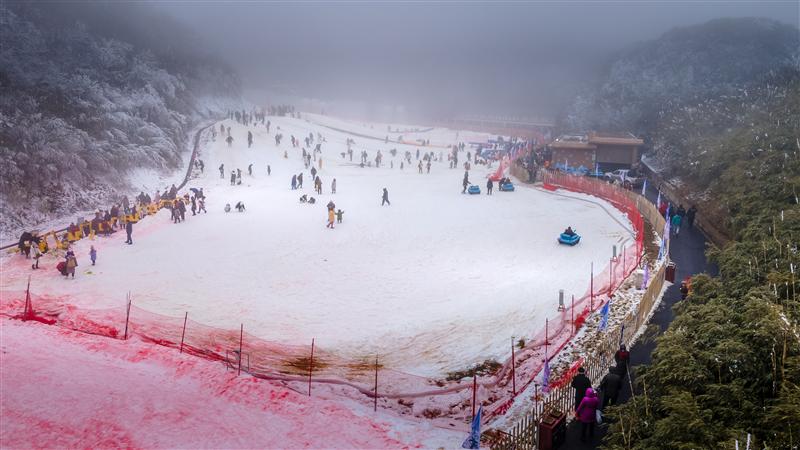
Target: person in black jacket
{"type": "Point", "coordinates": [129, 232]}
{"type": "Point", "coordinates": [610, 386]}
{"type": "Point", "coordinates": [580, 383]}
{"type": "Point", "coordinates": [489, 186]}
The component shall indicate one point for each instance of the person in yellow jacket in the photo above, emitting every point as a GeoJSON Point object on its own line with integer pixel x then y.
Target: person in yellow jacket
{"type": "Point", "coordinates": [331, 217]}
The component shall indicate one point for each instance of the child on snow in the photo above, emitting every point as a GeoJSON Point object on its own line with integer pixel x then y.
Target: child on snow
{"type": "Point", "coordinates": [339, 214]}
{"type": "Point", "coordinates": [93, 254]}
{"type": "Point", "coordinates": [331, 216]}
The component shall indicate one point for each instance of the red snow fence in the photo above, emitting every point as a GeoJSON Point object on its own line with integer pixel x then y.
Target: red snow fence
{"type": "Point", "coordinates": [367, 379]}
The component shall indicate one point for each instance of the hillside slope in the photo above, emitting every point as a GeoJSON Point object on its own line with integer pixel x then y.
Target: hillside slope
{"type": "Point", "coordinates": [80, 106]}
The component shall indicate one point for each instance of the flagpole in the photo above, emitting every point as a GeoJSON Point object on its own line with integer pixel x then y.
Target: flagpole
{"type": "Point", "coordinates": [591, 288]}
{"type": "Point", "coordinates": [474, 394]}
{"type": "Point", "coordinates": [513, 377]}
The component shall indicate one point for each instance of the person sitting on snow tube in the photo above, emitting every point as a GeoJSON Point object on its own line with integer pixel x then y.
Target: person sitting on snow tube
{"type": "Point", "coordinates": [569, 232]}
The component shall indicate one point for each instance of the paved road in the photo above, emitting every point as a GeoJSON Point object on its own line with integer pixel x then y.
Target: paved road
{"type": "Point", "coordinates": [688, 252]}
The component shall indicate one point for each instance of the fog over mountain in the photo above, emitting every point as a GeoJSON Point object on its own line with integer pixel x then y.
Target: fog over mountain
{"type": "Point", "coordinates": [438, 59]}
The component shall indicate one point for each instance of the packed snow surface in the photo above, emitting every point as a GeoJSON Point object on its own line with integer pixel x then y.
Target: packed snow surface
{"type": "Point", "coordinates": [64, 389]}
{"type": "Point", "coordinates": [434, 282]}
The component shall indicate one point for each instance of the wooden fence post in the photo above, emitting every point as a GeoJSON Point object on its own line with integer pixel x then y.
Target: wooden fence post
{"type": "Point", "coordinates": [310, 367]}
{"type": "Point", "coordinates": [241, 339]}
{"type": "Point", "coordinates": [127, 316]}
{"type": "Point", "coordinates": [375, 404]}
{"type": "Point", "coordinates": [513, 377]}
{"type": "Point", "coordinates": [183, 333]}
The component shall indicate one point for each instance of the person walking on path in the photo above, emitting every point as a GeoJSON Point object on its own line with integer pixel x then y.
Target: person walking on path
{"type": "Point", "coordinates": [622, 357]}
{"type": "Point", "coordinates": [580, 383]}
{"type": "Point", "coordinates": [586, 412]}
{"type": "Point", "coordinates": [92, 254]}
{"type": "Point", "coordinates": [610, 386]}
{"type": "Point", "coordinates": [676, 224]}
{"type": "Point", "coordinates": [129, 232]}
{"type": "Point", "coordinates": [385, 198]}
{"type": "Point", "coordinates": [690, 216]}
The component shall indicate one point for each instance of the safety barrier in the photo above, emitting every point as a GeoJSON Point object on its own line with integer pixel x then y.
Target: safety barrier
{"type": "Point", "coordinates": [309, 364]}
{"type": "Point", "coordinates": [85, 228]}
{"type": "Point", "coordinates": [524, 435]}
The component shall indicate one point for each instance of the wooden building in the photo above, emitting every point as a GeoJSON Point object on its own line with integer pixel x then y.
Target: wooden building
{"type": "Point", "coordinates": [609, 151]}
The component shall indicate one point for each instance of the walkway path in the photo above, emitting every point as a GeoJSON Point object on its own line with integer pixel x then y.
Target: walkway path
{"type": "Point", "coordinates": [688, 252]}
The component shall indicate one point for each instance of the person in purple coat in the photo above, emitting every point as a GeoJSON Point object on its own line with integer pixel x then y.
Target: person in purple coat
{"type": "Point", "coordinates": [586, 413]}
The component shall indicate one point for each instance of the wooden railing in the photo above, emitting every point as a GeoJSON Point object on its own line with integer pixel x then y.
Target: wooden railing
{"type": "Point", "coordinates": [524, 435]}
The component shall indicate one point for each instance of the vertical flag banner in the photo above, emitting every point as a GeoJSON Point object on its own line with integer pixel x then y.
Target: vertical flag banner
{"type": "Point", "coordinates": [546, 375]}
{"type": "Point", "coordinates": [474, 438]}
{"type": "Point", "coordinates": [604, 315]}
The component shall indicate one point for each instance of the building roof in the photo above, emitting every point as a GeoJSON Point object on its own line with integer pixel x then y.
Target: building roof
{"type": "Point", "coordinates": [590, 141]}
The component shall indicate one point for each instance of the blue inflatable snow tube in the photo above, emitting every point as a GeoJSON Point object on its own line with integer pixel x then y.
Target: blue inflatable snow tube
{"type": "Point", "coordinates": [507, 187]}
{"type": "Point", "coordinates": [567, 239]}
{"type": "Point", "coordinates": [474, 190]}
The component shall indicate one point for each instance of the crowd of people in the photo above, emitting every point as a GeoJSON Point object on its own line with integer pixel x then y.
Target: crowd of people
{"type": "Point", "coordinates": [120, 216]}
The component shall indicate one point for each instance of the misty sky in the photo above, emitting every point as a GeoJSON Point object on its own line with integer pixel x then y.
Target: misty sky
{"type": "Point", "coordinates": [493, 57]}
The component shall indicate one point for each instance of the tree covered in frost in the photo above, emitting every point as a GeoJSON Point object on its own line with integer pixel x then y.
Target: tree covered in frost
{"type": "Point", "coordinates": [85, 98]}
{"type": "Point", "coordinates": [719, 105]}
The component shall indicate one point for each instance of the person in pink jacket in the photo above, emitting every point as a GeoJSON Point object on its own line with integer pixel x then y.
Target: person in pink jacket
{"type": "Point", "coordinates": [586, 413]}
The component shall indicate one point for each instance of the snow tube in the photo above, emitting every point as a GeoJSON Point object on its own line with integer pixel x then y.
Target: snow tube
{"type": "Point", "coordinates": [567, 239]}
{"type": "Point", "coordinates": [474, 189]}
{"type": "Point", "coordinates": [62, 268]}
{"type": "Point", "coordinates": [507, 187]}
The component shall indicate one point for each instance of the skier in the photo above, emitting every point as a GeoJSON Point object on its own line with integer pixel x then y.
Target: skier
{"type": "Point", "coordinates": [489, 186]}
{"type": "Point", "coordinates": [300, 181]}
{"type": "Point", "coordinates": [294, 182]}
{"type": "Point", "coordinates": [250, 169]}
{"type": "Point", "coordinates": [313, 173]}
{"type": "Point", "coordinates": [194, 206]}
{"type": "Point", "coordinates": [333, 186]}
{"type": "Point", "coordinates": [428, 166]}
{"type": "Point", "coordinates": [385, 198]}
{"type": "Point", "coordinates": [233, 178]}
{"type": "Point", "coordinates": [419, 166]}
{"type": "Point", "coordinates": [222, 170]}
{"type": "Point", "coordinates": [249, 138]}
